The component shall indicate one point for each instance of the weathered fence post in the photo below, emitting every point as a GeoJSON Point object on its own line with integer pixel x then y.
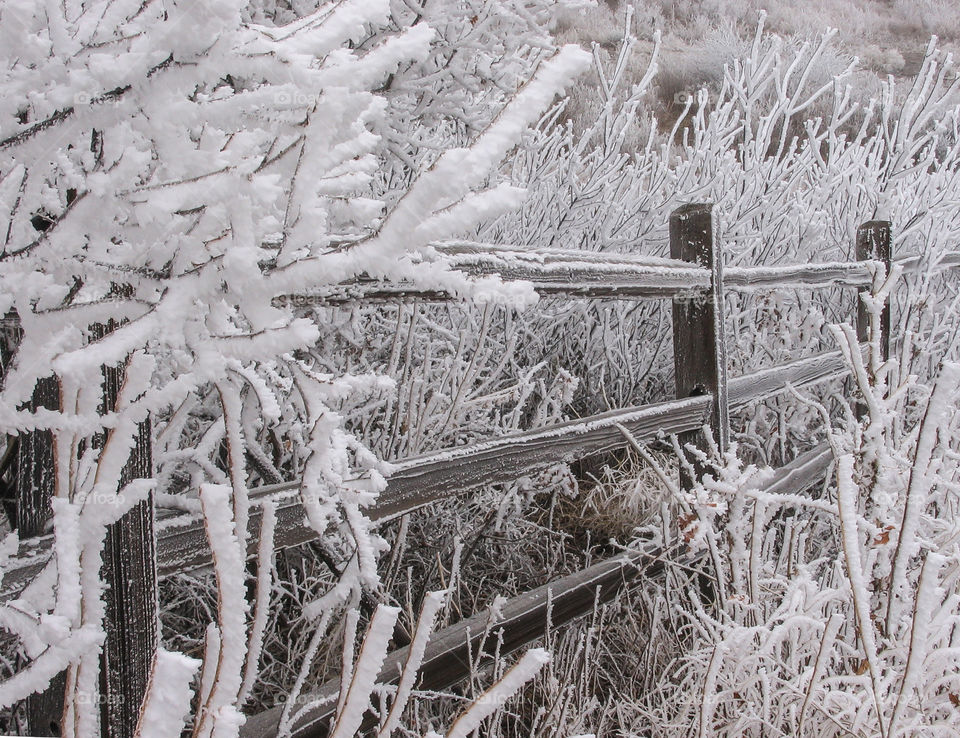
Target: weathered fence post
{"type": "Point", "coordinates": [699, 349]}
{"type": "Point", "coordinates": [874, 243]}
{"type": "Point", "coordinates": [130, 573]}
{"type": "Point", "coordinates": [33, 487]}
{"type": "Point", "coordinates": [129, 560]}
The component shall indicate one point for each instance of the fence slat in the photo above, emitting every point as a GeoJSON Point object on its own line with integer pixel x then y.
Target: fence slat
{"type": "Point", "coordinates": [33, 488]}
{"type": "Point", "coordinates": [809, 276]}
{"type": "Point", "coordinates": [765, 383]}
{"type": "Point", "coordinates": [451, 651]}
{"type": "Point", "coordinates": [552, 272]}
{"type": "Point", "coordinates": [602, 275]}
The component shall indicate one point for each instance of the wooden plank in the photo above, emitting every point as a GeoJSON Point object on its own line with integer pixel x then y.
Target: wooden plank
{"type": "Point", "coordinates": [182, 543]}
{"type": "Point", "coordinates": [129, 572]}
{"type": "Point", "coordinates": [699, 347]}
{"type": "Point", "coordinates": [947, 261]}
{"type": "Point", "coordinates": [34, 483]}
{"type": "Point", "coordinates": [766, 383]}
{"type": "Point", "coordinates": [800, 276]}
{"type": "Point", "coordinates": [828, 274]}
{"type": "Point", "coordinates": [807, 469]}
{"type": "Point", "coordinates": [580, 273]}
{"type": "Point", "coordinates": [424, 479]}
{"type": "Point", "coordinates": [524, 618]}
{"type": "Point", "coordinates": [35, 470]}
{"type": "Point", "coordinates": [600, 275]}
{"type": "Point", "coordinates": [552, 272]}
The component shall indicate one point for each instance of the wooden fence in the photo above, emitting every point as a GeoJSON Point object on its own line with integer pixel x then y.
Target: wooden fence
{"type": "Point", "coordinates": [693, 279]}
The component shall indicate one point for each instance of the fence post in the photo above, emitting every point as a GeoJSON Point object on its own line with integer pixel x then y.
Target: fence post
{"type": "Point", "coordinates": [874, 243]}
{"type": "Point", "coordinates": [130, 574]}
{"type": "Point", "coordinates": [32, 491]}
{"type": "Point", "coordinates": [129, 561]}
{"type": "Point", "coordinates": [699, 349]}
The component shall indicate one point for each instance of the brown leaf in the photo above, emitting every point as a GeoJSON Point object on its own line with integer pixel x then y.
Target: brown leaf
{"type": "Point", "coordinates": [862, 667]}
{"type": "Point", "coordinates": [688, 526]}
{"type": "Point", "coordinates": [954, 699]}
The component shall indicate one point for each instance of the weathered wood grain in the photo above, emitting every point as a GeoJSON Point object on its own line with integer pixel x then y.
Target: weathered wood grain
{"type": "Point", "coordinates": [766, 383]}
{"type": "Point", "coordinates": [945, 262]}
{"type": "Point", "coordinates": [579, 273]}
{"type": "Point", "coordinates": [602, 275]}
{"type": "Point", "coordinates": [802, 473]}
{"type": "Point", "coordinates": [129, 572]}
{"type": "Point", "coordinates": [34, 484]}
{"type": "Point", "coordinates": [423, 479]}
{"type": "Point", "coordinates": [799, 276]}
{"type": "Point", "coordinates": [450, 651]}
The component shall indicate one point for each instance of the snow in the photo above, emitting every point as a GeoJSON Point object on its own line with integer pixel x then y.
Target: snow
{"type": "Point", "coordinates": [922, 478]}
{"type": "Point", "coordinates": [229, 558]}
{"type": "Point", "coordinates": [508, 685]}
{"type": "Point", "coordinates": [365, 672]}
{"type": "Point", "coordinates": [261, 611]}
{"type": "Point", "coordinates": [167, 703]}
{"type": "Point", "coordinates": [847, 503]}
{"type": "Point", "coordinates": [432, 603]}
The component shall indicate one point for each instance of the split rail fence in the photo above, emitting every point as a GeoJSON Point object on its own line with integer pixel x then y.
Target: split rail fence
{"type": "Point", "coordinates": [147, 548]}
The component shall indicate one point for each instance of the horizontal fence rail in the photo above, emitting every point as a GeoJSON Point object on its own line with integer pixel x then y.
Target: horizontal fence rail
{"type": "Point", "coordinates": [524, 618]}
{"type": "Point", "coordinates": [552, 272]}
{"type": "Point", "coordinates": [609, 276]}
{"type": "Point", "coordinates": [181, 539]}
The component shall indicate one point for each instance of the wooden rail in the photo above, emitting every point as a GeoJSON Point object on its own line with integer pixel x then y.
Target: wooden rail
{"type": "Point", "coordinates": [418, 481]}
{"type": "Point", "coordinates": [552, 272]}
{"type": "Point", "coordinates": [524, 618]}
{"type": "Point", "coordinates": [605, 275]}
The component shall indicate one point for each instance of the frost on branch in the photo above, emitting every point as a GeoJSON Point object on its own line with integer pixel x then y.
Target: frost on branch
{"type": "Point", "coordinates": [842, 601]}
{"type": "Point", "coordinates": [175, 168]}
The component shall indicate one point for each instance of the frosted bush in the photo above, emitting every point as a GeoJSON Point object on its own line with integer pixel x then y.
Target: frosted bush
{"type": "Point", "coordinates": [835, 609]}
{"type": "Point", "coordinates": [188, 165]}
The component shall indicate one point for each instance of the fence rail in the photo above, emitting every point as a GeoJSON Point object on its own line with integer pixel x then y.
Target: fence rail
{"type": "Point", "coordinates": [603, 275]}
{"type": "Point", "coordinates": [704, 398]}
{"type": "Point", "coordinates": [181, 538]}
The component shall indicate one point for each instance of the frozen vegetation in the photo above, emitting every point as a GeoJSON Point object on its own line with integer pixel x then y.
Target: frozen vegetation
{"type": "Point", "coordinates": [174, 174]}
